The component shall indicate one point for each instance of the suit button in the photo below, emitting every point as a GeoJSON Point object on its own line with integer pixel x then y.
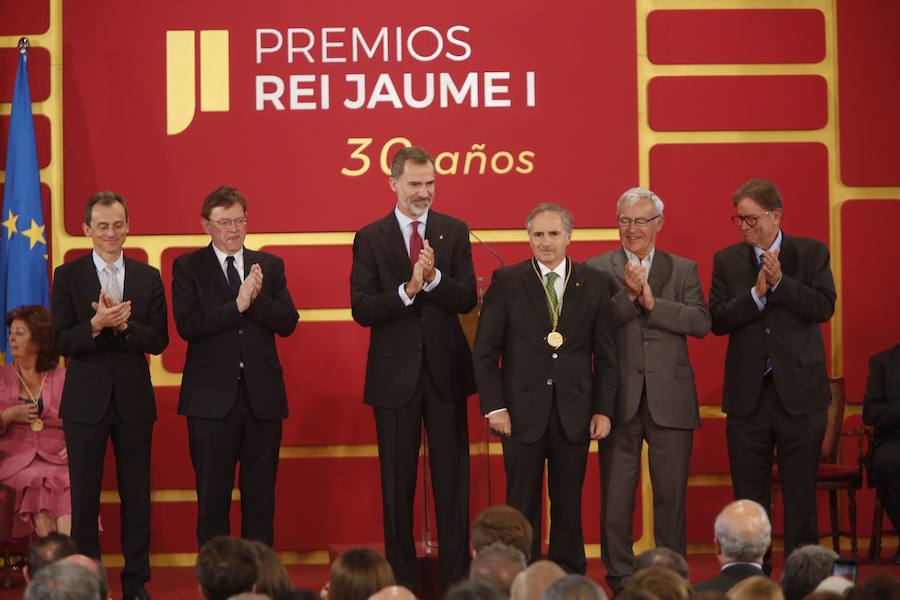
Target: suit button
{"type": "Point", "coordinates": [768, 330]}
{"type": "Point", "coordinates": [423, 320]}
{"type": "Point", "coordinates": [555, 355]}
{"type": "Point", "coordinates": [549, 382]}
{"type": "Point", "coordinates": [646, 343]}
{"type": "Point", "coordinates": [240, 332]}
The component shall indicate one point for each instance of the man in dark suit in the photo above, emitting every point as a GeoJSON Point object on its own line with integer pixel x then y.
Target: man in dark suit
{"type": "Point", "coordinates": [108, 311]}
{"type": "Point", "coordinates": [770, 294]}
{"type": "Point", "coordinates": [743, 534]}
{"type": "Point", "coordinates": [657, 302]}
{"type": "Point", "coordinates": [545, 363]}
{"type": "Point", "coordinates": [412, 276]}
{"type": "Point", "coordinates": [881, 409]}
{"type": "Point", "coordinates": [229, 302]}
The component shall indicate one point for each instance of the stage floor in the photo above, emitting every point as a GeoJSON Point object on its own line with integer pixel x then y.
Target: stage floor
{"type": "Point", "coordinates": [180, 584]}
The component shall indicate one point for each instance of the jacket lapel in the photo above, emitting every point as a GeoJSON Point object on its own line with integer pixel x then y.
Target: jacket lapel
{"type": "Point", "coordinates": [395, 248]}
{"type": "Point", "coordinates": [660, 271]}
{"type": "Point", "coordinates": [617, 262]}
{"type": "Point", "coordinates": [534, 291]}
{"type": "Point", "coordinates": [572, 295]}
{"type": "Point", "coordinates": [214, 270]}
{"type": "Point", "coordinates": [788, 256]}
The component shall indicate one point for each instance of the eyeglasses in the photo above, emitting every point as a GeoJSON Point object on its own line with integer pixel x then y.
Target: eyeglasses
{"type": "Point", "coordinates": [750, 220]}
{"type": "Point", "coordinates": [227, 223]}
{"type": "Point", "coordinates": [625, 222]}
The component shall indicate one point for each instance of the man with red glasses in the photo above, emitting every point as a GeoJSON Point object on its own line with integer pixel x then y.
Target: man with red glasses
{"type": "Point", "coordinates": [770, 294]}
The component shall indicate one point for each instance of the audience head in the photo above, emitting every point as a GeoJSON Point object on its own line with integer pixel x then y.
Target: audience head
{"type": "Point", "coordinates": [393, 592]}
{"type": "Point", "coordinates": [834, 584]}
{"type": "Point", "coordinates": [357, 574]}
{"type": "Point", "coordinates": [46, 550]}
{"type": "Point", "coordinates": [663, 583]}
{"type": "Point", "coordinates": [299, 594]}
{"type": "Point", "coordinates": [225, 568]}
{"type": "Point", "coordinates": [755, 588]}
{"type": "Point", "coordinates": [662, 557]}
{"type": "Point", "coordinates": [743, 532]}
{"type": "Point", "coordinates": [272, 578]}
{"type": "Point", "coordinates": [63, 581]}
{"type": "Point", "coordinates": [531, 583]}
{"type": "Point", "coordinates": [574, 587]}
{"type": "Point", "coordinates": [630, 593]}
{"type": "Point", "coordinates": [708, 595]}
{"type": "Point", "coordinates": [882, 586]}
{"type": "Point", "coordinates": [473, 590]}
{"type": "Point", "coordinates": [497, 565]}
{"type": "Point", "coordinates": [504, 524]}
{"type": "Point", "coordinates": [804, 569]}
{"type": "Point", "coordinates": [94, 566]}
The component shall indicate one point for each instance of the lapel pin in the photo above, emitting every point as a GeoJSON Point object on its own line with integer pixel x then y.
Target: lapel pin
{"type": "Point", "coordinates": [577, 284]}
{"type": "Point", "coordinates": [441, 236]}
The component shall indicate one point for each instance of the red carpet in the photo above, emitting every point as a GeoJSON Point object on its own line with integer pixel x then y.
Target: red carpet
{"type": "Point", "coordinates": [179, 583]}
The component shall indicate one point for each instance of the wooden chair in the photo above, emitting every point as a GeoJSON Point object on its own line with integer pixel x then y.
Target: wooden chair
{"type": "Point", "coordinates": [832, 476]}
{"type": "Point", "coordinates": [878, 512]}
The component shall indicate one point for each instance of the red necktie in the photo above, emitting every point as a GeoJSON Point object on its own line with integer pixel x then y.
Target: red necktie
{"type": "Point", "coordinates": [415, 244]}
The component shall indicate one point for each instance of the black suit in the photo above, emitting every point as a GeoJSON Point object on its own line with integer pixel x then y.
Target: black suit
{"type": "Point", "coordinates": [419, 367]}
{"type": "Point", "coordinates": [788, 407]}
{"type": "Point", "coordinates": [881, 409]}
{"type": "Point", "coordinates": [550, 394]}
{"type": "Point", "coordinates": [234, 413]}
{"type": "Point", "coordinates": [729, 577]}
{"type": "Point", "coordinates": [108, 394]}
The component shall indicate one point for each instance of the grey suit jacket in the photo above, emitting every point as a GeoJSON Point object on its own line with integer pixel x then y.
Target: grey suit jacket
{"type": "Point", "coordinates": [652, 345]}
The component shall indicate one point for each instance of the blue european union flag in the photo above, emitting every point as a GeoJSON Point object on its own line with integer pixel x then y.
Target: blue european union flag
{"type": "Point", "coordinates": [23, 245]}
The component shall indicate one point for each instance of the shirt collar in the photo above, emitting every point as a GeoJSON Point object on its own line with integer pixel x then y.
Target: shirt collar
{"type": "Point", "coordinates": [101, 264]}
{"type": "Point", "coordinates": [776, 245]}
{"type": "Point", "coordinates": [633, 258]}
{"type": "Point", "coordinates": [559, 270]}
{"type": "Point", "coordinates": [221, 256]}
{"type": "Point", "coordinates": [741, 562]}
{"type": "Point", "coordinates": [405, 221]}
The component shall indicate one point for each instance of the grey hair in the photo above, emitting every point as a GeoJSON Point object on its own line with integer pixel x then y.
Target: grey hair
{"type": "Point", "coordinates": [574, 587]}
{"type": "Point", "coordinates": [63, 581]}
{"type": "Point", "coordinates": [497, 565]}
{"type": "Point", "coordinates": [804, 569]}
{"type": "Point", "coordinates": [636, 194]}
{"type": "Point", "coordinates": [741, 543]}
{"type": "Point", "coordinates": [565, 215]}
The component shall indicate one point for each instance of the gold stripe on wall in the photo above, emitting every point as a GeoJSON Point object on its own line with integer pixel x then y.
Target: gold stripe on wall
{"type": "Point", "coordinates": [180, 80]}
{"type": "Point", "coordinates": [214, 70]}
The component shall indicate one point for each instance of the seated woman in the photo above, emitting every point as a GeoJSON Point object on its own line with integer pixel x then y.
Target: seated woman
{"type": "Point", "coordinates": [33, 458]}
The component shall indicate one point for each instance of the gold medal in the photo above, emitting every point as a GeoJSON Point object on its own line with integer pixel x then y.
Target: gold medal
{"type": "Point", "coordinates": [37, 424]}
{"type": "Point", "coordinates": [555, 339]}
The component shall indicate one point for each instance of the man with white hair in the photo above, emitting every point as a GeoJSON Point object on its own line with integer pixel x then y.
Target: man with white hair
{"type": "Point", "coordinates": [657, 302]}
{"type": "Point", "coordinates": [743, 534]}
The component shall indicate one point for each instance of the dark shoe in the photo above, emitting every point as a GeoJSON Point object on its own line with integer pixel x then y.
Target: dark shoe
{"type": "Point", "coordinates": [140, 594]}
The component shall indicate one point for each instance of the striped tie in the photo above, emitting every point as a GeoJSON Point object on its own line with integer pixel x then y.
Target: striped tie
{"type": "Point", "coordinates": [552, 300]}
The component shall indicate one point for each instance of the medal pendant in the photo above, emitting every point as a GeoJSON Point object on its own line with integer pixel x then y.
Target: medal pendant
{"type": "Point", "coordinates": [555, 339]}
{"type": "Point", "coordinates": [37, 425]}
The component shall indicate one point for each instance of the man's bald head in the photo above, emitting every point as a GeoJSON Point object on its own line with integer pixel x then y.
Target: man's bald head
{"type": "Point", "coordinates": [94, 567]}
{"type": "Point", "coordinates": [393, 592]}
{"type": "Point", "coordinates": [531, 583]}
{"type": "Point", "coordinates": [743, 532]}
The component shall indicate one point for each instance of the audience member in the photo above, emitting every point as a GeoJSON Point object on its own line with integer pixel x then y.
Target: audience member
{"type": "Point", "coordinates": [497, 565]}
{"type": "Point", "coordinates": [663, 583]}
{"type": "Point", "coordinates": [531, 583]}
{"type": "Point", "coordinates": [882, 586]}
{"type": "Point", "coordinates": [662, 557]}
{"type": "Point", "coordinates": [804, 569]}
{"type": "Point", "coordinates": [630, 593]}
{"type": "Point", "coordinates": [742, 536]}
{"type": "Point", "coordinates": [225, 567]}
{"type": "Point", "coordinates": [63, 581]}
{"type": "Point", "coordinates": [504, 524]}
{"type": "Point", "coordinates": [357, 574]}
{"type": "Point", "coordinates": [95, 567]}
{"type": "Point", "coordinates": [46, 550]}
{"type": "Point", "coordinates": [299, 594]}
{"type": "Point", "coordinates": [574, 587]}
{"type": "Point", "coordinates": [835, 584]}
{"type": "Point", "coordinates": [393, 592]}
{"type": "Point", "coordinates": [826, 594]}
{"type": "Point", "coordinates": [757, 587]}
{"type": "Point", "coordinates": [473, 590]}
{"type": "Point", "coordinates": [272, 578]}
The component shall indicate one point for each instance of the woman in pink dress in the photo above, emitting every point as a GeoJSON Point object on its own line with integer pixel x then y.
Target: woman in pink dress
{"type": "Point", "coordinates": [33, 458]}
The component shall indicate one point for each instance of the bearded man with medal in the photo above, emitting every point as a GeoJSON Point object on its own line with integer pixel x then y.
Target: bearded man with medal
{"type": "Point", "coordinates": [545, 364]}
{"type": "Point", "coordinates": [32, 444]}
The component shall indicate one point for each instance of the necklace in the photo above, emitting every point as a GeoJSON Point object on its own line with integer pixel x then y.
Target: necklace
{"type": "Point", "coordinates": [554, 339]}
{"type": "Point", "coordinates": [38, 423]}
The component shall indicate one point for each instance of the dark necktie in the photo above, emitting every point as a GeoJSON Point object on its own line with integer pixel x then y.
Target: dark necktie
{"type": "Point", "coordinates": [767, 368]}
{"type": "Point", "coordinates": [234, 279]}
{"type": "Point", "coordinates": [415, 243]}
{"type": "Point", "coordinates": [552, 299]}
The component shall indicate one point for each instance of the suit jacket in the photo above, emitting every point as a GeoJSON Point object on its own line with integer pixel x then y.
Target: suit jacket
{"type": "Point", "coordinates": [881, 404]}
{"type": "Point", "coordinates": [652, 345]}
{"type": "Point", "coordinates": [220, 337]}
{"type": "Point", "coordinates": [512, 329]}
{"type": "Point", "coordinates": [20, 444]}
{"type": "Point", "coordinates": [787, 330]}
{"type": "Point", "coordinates": [400, 333]}
{"type": "Point", "coordinates": [111, 365]}
{"type": "Point", "coordinates": [729, 577]}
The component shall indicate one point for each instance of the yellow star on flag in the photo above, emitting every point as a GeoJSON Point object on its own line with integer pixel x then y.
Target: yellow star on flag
{"type": "Point", "coordinates": [35, 234]}
{"type": "Point", "coordinates": [10, 224]}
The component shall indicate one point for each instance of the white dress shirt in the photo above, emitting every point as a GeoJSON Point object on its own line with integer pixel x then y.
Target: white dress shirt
{"type": "Point", "coordinates": [776, 245]}
{"type": "Point", "coordinates": [238, 261]}
{"type": "Point", "coordinates": [104, 276]}
{"type": "Point", "coordinates": [406, 229]}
